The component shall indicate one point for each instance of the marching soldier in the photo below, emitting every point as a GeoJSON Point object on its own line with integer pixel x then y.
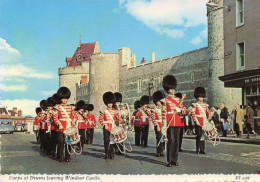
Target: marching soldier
{"type": "Point", "coordinates": [200, 114]}
{"type": "Point", "coordinates": [144, 119]}
{"type": "Point", "coordinates": [37, 122]}
{"type": "Point", "coordinates": [172, 106]}
{"type": "Point", "coordinates": [42, 126]}
{"type": "Point", "coordinates": [64, 118]}
{"type": "Point", "coordinates": [91, 123]}
{"type": "Point", "coordinates": [182, 115]}
{"type": "Point", "coordinates": [107, 120]}
{"type": "Point", "coordinates": [118, 100]}
{"type": "Point", "coordinates": [136, 122]}
{"type": "Point", "coordinates": [157, 121]}
{"type": "Point", "coordinates": [81, 121]}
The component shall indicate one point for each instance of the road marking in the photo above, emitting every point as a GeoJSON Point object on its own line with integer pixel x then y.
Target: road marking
{"type": "Point", "coordinates": [11, 168]}
{"type": "Point", "coordinates": [251, 154]}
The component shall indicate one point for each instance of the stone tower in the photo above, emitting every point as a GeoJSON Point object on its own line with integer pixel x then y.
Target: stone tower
{"type": "Point", "coordinates": [215, 90]}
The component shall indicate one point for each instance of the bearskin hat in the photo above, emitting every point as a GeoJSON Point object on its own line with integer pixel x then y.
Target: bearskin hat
{"type": "Point", "coordinates": [38, 110]}
{"type": "Point", "coordinates": [199, 92]}
{"type": "Point", "coordinates": [144, 100]}
{"type": "Point", "coordinates": [64, 93]}
{"type": "Point", "coordinates": [157, 96]}
{"type": "Point", "coordinates": [56, 99]}
{"type": "Point", "coordinates": [118, 97]}
{"type": "Point", "coordinates": [137, 104]}
{"type": "Point", "coordinates": [49, 102]}
{"type": "Point", "coordinates": [108, 97]}
{"type": "Point", "coordinates": [80, 105]}
{"type": "Point", "coordinates": [90, 107]}
{"type": "Point", "coordinates": [169, 82]}
{"type": "Point", "coordinates": [179, 95]}
{"type": "Point", "coordinates": [43, 104]}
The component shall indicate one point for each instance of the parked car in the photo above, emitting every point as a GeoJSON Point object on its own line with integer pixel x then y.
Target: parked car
{"type": "Point", "coordinates": [6, 126]}
{"type": "Point", "coordinates": [18, 127]}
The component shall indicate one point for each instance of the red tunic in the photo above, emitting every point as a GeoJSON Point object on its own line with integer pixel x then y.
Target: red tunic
{"type": "Point", "coordinates": [157, 117]}
{"type": "Point", "coordinates": [135, 120]}
{"type": "Point", "coordinates": [54, 126]}
{"type": "Point", "coordinates": [91, 121]}
{"type": "Point", "coordinates": [198, 115]}
{"type": "Point", "coordinates": [144, 116]}
{"type": "Point", "coordinates": [61, 118]}
{"type": "Point", "coordinates": [105, 119]}
{"type": "Point", "coordinates": [172, 104]}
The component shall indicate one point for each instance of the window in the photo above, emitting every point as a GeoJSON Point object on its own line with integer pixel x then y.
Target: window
{"type": "Point", "coordinates": [239, 12]}
{"type": "Point", "coordinates": [139, 85]}
{"type": "Point", "coordinates": [241, 56]}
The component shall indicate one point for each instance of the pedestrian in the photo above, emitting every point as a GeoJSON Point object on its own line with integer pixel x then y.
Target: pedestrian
{"type": "Point", "coordinates": [223, 118]}
{"type": "Point", "coordinates": [250, 120]}
{"type": "Point", "coordinates": [200, 114]}
{"type": "Point", "coordinates": [191, 124]}
{"type": "Point", "coordinates": [65, 117]}
{"type": "Point", "coordinates": [215, 117]}
{"type": "Point", "coordinates": [91, 123]}
{"type": "Point", "coordinates": [172, 106]}
{"type": "Point", "coordinates": [157, 121]}
{"type": "Point", "coordinates": [232, 121]}
{"type": "Point", "coordinates": [136, 122]}
{"type": "Point", "coordinates": [107, 119]}
{"type": "Point", "coordinates": [239, 116]}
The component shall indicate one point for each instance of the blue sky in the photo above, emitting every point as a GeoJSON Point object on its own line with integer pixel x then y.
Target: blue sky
{"type": "Point", "coordinates": [36, 36]}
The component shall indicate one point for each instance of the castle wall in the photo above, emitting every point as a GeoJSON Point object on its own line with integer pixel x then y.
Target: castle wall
{"type": "Point", "coordinates": [104, 76]}
{"type": "Point", "coordinates": [69, 76]}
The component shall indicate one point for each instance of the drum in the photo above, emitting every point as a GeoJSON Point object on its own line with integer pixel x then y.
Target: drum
{"type": "Point", "coordinates": [72, 136]}
{"type": "Point", "coordinates": [119, 134]}
{"type": "Point", "coordinates": [210, 131]}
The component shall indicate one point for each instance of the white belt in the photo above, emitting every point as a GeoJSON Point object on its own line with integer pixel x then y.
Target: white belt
{"type": "Point", "coordinates": [64, 119]}
{"type": "Point", "coordinates": [158, 121]}
{"type": "Point", "coordinates": [200, 116]}
{"type": "Point", "coordinates": [107, 122]}
{"type": "Point", "coordinates": [136, 119]}
{"type": "Point", "coordinates": [170, 112]}
{"type": "Point", "coordinates": [81, 121]}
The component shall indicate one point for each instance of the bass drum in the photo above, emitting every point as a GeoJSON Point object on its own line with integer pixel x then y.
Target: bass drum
{"type": "Point", "coordinates": [72, 136]}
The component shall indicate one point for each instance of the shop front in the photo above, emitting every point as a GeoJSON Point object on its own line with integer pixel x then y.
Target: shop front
{"type": "Point", "coordinates": [249, 81]}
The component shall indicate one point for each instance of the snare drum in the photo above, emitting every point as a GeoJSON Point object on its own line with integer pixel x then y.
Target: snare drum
{"type": "Point", "coordinates": [72, 135]}
{"type": "Point", "coordinates": [119, 134]}
{"type": "Point", "coordinates": [210, 130]}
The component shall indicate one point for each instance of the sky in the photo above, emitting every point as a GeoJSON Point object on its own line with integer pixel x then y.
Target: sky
{"type": "Point", "coordinates": [36, 36]}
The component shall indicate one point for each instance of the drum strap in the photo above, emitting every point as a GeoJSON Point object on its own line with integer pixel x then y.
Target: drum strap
{"type": "Point", "coordinates": [203, 113]}
{"type": "Point", "coordinates": [68, 123]}
{"type": "Point", "coordinates": [110, 118]}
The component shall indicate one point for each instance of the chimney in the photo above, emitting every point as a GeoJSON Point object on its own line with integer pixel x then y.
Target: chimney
{"type": "Point", "coordinates": [20, 112]}
{"type": "Point", "coordinates": [15, 111]}
{"type": "Point", "coordinates": [143, 61]}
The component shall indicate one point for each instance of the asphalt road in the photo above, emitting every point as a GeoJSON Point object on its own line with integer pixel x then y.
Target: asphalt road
{"type": "Point", "coordinates": [21, 154]}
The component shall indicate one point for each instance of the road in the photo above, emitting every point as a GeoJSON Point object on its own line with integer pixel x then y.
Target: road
{"type": "Point", "coordinates": [21, 154]}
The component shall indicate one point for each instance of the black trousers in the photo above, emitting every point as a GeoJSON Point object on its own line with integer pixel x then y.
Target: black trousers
{"type": "Point", "coordinates": [137, 135]}
{"type": "Point", "coordinates": [200, 145]}
{"type": "Point", "coordinates": [159, 149]}
{"type": "Point", "coordinates": [47, 141]}
{"type": "Point", "coordinates": [144, 134]}
{"type": "Point", "coordinates": [37, 135]}
{"type": "Point", "coordinates": [173, 134]}
{"type": "Point", "coordinates": [90, 135]}
{"type": "Point", "coordinates": [181, 137]}
{"type": "Point", "coordinates": [109, 148]}
{"type": "Point", "coordinates": [53, 141]}
{"type": "Point", "coordinates": [61, 145]}
{"type": "Point", "coordinates": [82, 137]}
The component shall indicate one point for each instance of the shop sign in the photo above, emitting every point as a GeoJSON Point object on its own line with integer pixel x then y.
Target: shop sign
{"type": "Point", "coordinates": [252, 80]}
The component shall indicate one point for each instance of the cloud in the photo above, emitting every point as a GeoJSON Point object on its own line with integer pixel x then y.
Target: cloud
{"type": "Point", "coordinates": [48, 92]}
{"type": "Point", "coordinates": [27, 106]}
{"type": "Point", "coordinates": [170, 17]}
{"type": "Point", "coordinates": [12, 88]}
{"type": "Point", "coordinates": [6, 47]}
{"type": "Point", "coordinates": [196, 40]}
{"type": "Point", "coordinates": [20, 70]}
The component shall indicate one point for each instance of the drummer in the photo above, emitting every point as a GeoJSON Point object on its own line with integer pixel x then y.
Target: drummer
{"type": "Point", "coordinates": [81, 123]}
{"type": "Point", "coordinates": [200, 112]}
{"type": "Point", "coordinates": [36, 123]}
{"type": "Point", "coordinates": [64, 118]}
{"type": "Point", "coordinates": [136, 122]}
{"type": "Point", "coordinates": [107, 119]}
{"type": "Point", "coordinates": [91, 123]}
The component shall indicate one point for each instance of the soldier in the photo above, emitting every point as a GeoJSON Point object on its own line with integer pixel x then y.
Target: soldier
{"type": "Point", "coordinates": [64, 118]}
{"type": "Point", "coordinates": [200, 114]}
{"type": "Point", "coordinates": [144, 119]}
{"type": "Point", "coordinates": [107, 119]}
{"type": "Point", "coordinates": [136, 122]}
{"type": "Point", "coordinates": [91, 123]}
{"type": "Point", "coordinates": [157, 121]}
{"type": "Point", "coordinates": [81, 121]}
{"type": "Point", "coordinates": [36, 123]}
{"type": "Point", "coordinates": [172, 106]}
{"type": "Point", "coordinates": [43, 126]}
{"type": "Point", "coordinates": [182, 115]}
